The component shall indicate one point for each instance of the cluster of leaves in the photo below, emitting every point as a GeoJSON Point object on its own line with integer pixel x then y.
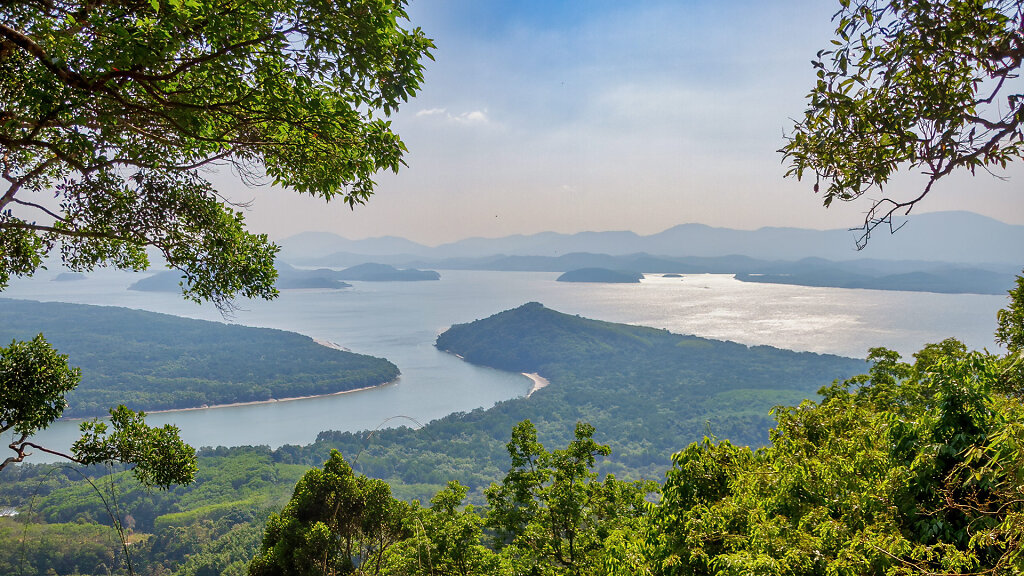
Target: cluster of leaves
{"type": "Point", "coordinates": [33, 381]}
{"type": "Point", "coordinates": [118, 106]}
{"type": "Point", "coordinates": [910, 469]}
{"type": "Point", "coordinates": [927, 85]}
{"type": "Point", "coordinates": [551, 515]}
{"type": "Point", "coordinates": [334, 522]}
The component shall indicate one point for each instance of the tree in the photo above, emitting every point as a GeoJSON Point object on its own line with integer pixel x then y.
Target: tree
{"type": "Point", "coordinates": [335, 523]}
{"type": "Point", "coordinates": [111, 113]}
{"type": "Point", "coordinates": [33, 381]}
{"type": "Point", "coordinates": [115, 108]}
{"type": "Point", "coordinates": [446, 540]}
{"type": "Point", "coordinates": [916, 84]}
{"type": "Point", "coordinates": [550, 514]}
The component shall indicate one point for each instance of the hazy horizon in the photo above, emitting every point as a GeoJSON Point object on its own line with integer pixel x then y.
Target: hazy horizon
{"type": "Point", "coordinates": [597, 115]}
{"type": "Point", "coordinates": [850, 228]}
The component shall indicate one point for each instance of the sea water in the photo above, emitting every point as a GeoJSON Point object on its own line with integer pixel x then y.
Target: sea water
{"type": "Point", "coordinates": [400, 321]}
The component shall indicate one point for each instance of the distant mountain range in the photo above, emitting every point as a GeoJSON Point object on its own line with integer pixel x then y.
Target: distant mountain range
{"type": "Point", "coordinates": [955, 237]}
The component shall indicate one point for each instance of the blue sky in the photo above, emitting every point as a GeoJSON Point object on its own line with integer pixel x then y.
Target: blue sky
{"type": "Point", "coordinates": [599, 115]}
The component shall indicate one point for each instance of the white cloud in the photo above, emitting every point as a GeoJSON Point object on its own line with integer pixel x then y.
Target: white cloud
{"type": "Point", "coordinates": [474, 117]}
{"type": "Point", "coordinates": [431, 112]}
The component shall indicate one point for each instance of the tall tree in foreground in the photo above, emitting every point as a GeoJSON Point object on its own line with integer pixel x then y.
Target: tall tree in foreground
{"type": "Point", "coordinates": [337, 522]}
{"type": "Point", "coordinates": [112, 113]}
{"type": "Point", "coordinates": [551, 514]}
{"type": "Point", "coordinates": [923, 85]}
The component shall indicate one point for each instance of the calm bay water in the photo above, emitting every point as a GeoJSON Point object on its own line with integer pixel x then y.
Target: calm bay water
{"type": "Point", "coordinates": [400, 321]}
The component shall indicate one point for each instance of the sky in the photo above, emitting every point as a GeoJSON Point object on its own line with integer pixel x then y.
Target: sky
{"type": "Point", "coordinates": [592, 115]}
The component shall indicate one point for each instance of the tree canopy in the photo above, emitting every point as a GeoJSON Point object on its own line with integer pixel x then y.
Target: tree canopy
{"type": "Point", "coordinates": [111, 112]}
{"type": "Point", "coordinates": [928, 85]}
{"type": "Point", "coordinates": [112, 115]}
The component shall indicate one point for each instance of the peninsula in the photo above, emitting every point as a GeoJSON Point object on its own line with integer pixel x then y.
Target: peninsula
{"type": "Point", "coordinates": [149, 361]}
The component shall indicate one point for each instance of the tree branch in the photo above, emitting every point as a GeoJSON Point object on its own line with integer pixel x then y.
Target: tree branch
{"type": "Point", "coordinates": [21, 445]}
{"type": "Point", "coordinates": [40, 208]}
{"type": "Point", "coordinates": [22, 41]}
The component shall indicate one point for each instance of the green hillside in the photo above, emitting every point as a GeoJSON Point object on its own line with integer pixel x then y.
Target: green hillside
{"type": "Point", "coordinates": [647, 391]}
{"type": "Point", "coordinates": [150, 361]}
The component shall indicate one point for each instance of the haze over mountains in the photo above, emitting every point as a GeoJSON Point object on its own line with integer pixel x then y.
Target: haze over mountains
{"type": "Point", "coordinates": [952, 237]}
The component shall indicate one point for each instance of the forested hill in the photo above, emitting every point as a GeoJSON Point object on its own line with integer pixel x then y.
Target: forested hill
{"type": "Point", "coordinates": [155, 361]}
{"type": "Point", "coordinates": [646, 361]}
{"type": "Point", "coordinates": [648, 392]}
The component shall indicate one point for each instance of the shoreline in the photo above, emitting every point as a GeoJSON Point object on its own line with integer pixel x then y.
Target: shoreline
{"type": "Point", "coordinates": [331, 345]}
{"type": "Point", "coordinates": [250, 402]}
{"type": "Point", "coordinates": [272, 400]}
{"type": "Point", "coordinates": [538, 382]}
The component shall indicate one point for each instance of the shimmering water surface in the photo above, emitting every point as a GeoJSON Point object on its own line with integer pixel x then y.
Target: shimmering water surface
{"type": "Point", "coordinates": [400, 320]}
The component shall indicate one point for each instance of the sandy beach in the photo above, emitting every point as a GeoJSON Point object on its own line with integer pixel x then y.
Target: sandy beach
{"type": "Point", "coordinates": [538, 382]}
{"type": "Point", "coordinates": [329, 344]}
{"type": "Point", "coordinates": [271, 400]}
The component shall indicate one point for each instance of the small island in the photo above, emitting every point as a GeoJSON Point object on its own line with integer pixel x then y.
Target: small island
{"type": "Point", "coordinates": [672, 275]}
{"type": "Point", "coordinates": [289, 278]}
{"type": "Point", "coordinates": [166, 281]}
{"type": "Point", "coordinates": [69, 277]}
{"type": "Point", "coordinates": [603, 275]}
{"type": "Point", "coordinates": [371, 272]}
{"type": "Point", "coordinates": [309, 279]}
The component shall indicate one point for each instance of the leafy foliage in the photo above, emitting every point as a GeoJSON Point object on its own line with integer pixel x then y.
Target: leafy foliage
{"type": "Point", "coordinates": [336, 521]}
{"type": "Point", "coordinates": [906, 470]}
{"type": "Point", "coordinates": [550, 513]}
{"type": "Point", "coordinates": [447, 540]}
{"type": "Point", "coordinates": [925, 85]}
{"type": "Point", "coordinates": [33, 381]}
{"type": "Point", "coordinates": [110, 112]}
{"type": "Point", "coordinates": [162, 458]}
{"type": "Point", "coordinates": [1010, 332]}
{"type": "Point", "coordinates": [119, 106]}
